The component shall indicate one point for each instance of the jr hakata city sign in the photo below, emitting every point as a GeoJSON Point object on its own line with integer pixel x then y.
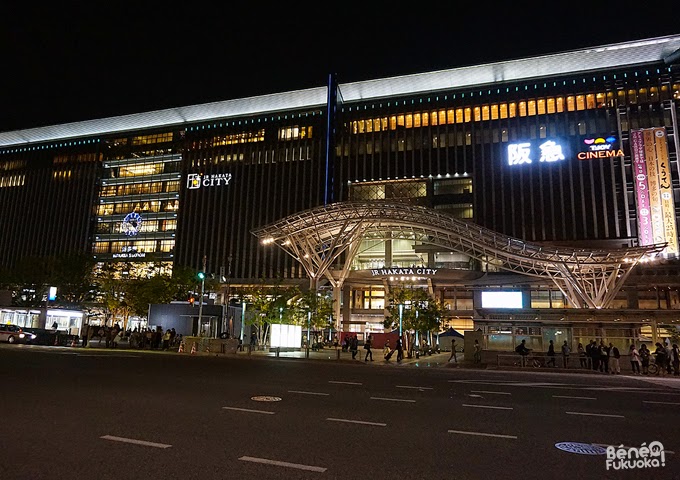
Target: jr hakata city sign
{"type": "Point", "coordinates": [196, 180]}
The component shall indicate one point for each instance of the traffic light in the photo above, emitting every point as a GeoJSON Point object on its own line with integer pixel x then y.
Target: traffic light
{"type": "Point", "coordinates": [201, 275]}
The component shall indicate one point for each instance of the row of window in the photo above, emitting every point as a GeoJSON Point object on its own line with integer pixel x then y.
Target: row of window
{"type": "Point", "coordinates": [142, 246]}
{"type": "Point", "coordinates": [159, 152]}
{"type": "Point", "coordinates": [140, 188]}
{"type": "Point", "coordinates": [143, 169]}
{"type": "Point", "coordinates": [146, 226]}
{"type": "Point", "coordinates": [146, 206]}
{"type": "Point", "coordinates": [12, 181]}
{"type": "Point", "coordinates": [524, 108]}
{"type": "Point", "coordinates": [76, 158]}
{"type": "Point", "coordinates": [148, 139]}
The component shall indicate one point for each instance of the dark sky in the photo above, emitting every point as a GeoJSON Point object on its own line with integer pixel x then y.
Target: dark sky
{"type": "Point", "coordinates": [61, 64]}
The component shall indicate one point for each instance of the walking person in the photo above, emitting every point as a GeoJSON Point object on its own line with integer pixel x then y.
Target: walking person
{"type": "Point", "coordinates": [386, 349]}
{"type": "Point", "coordinates": [565, 354]}
{"type": "Point", "coordinates": [634, 359]}
{"type": "Point", "coordinates": [614, 356]}
{"type": "Point", "coordinates": [83, 334]}
{"type": "Point", "coordinates": [367, 347]}
{"type": "Point", "coordinates": [551, 354]}
{"type": "Point", "coordinates": [453, 351]}
{"type": "Point", "coordinates": [644, 357]}
{"type": "Point", "coordinates": [661, 358]}
{"type": "Point", "coordinates": [583, 359]}
{"type": "Point", "coordinates": [675, 359]}
{"type": "Point", "coordinates": [477, 354]}
{"type": "Point", "coordinates": [354, 346]}
{"type": "Point", "coordinates": [400, 350]}
{"type": "Point", "coordinates": [604, 357]}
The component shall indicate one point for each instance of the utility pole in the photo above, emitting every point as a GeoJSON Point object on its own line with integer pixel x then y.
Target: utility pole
{"type": "Point", "coordinates": [200, 300]}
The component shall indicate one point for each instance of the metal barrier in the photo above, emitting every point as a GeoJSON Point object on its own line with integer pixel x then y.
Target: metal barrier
{"type": "Point", "coordinates": [572, 362]}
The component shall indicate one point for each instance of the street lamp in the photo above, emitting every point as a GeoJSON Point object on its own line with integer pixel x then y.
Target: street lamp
{"type": "Point", "coordinates": [201, 277]}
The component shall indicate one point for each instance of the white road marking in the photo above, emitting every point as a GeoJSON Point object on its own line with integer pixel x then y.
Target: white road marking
{"type": "Point", "coordinates": [475, 396]}
{"type": "Point", "coordinates": [360, 422]}
{"type": "Point", "coordinates": [136, 442]}
{"type": "Point", "coordinates": [487, 406]}
{"type": "Point", "coordinates": [107, 355]}
{"type": "Point", "coordinates": [345, 383]}
{"type": "Point", "coordinates": [308, 393]}
{"type": "Point", "coordinates": [595, 414]}
{"type": "Point", "coordinates": [415, 388]}
{"type": "Point", "coordinates": [277, 463]}
{"type": "Point", "coordinates": [575, 398]}
{"type": "Point", "coordinates": [393, 399]}
{"type": "Point", "coordinates": [249, 410]}
{"type": "Point", "coordinates": [662, 403]}
{"type": "Point", "coordinates": [483, 434]}
{"type": "Point", "coordinates": [489, 391]}
{"type": "Point", "coordinates": [605, 445]}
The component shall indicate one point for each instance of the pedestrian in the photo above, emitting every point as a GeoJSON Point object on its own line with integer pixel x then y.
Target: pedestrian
{"type": "Point", "coordinates": [453, 351]}
{"type": "Point", "coordinates": [614, 356]}
{"type": "Point", "coordinates": [604, 357]}
{"type": "Point", "coordinates": [367, 347]}
{"type": "Point", "coordinates": [354, 346]}
{"type": "Point", "coordinates": [634, 359]}
{"type": "Point", "coordinates": [644, 357]}
{"type": "Point", "coordinates": [477, 355]}
{"type": "Point", "coordinates": [551, 354]}
{"type": "Point", "coordinates": [675, 359]}
{"type": "Point", "coordinates": [166, 340]}
{"type": "Point", "coordinates": [565, 354]}
{"type": "Point", "coordinates": [669, 350]}
{"type": "Point", "coordinates": [660, 354]}
{"type": "Point", "coordinates": [594, 355]}
{"type": "Point", "coordinates": [400, 350]}
{"type": "Point", "coordinates": [583, 359]}
{"type": "Point", "coordinates": [386, 348]}
{"type": "Point", "coordinates": [83, 334]}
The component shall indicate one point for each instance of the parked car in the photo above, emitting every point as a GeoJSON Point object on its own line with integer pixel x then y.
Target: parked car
{"type": "Point", "coordinates": [15, 334]}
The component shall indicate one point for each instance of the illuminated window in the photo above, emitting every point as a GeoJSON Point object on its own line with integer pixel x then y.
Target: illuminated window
{"type": "Point", "coordinates": [485, 112]}
{"type": "Point", "coordinates": [369, 126]}
{"type": "Point", "coordinates": [653, 94]}
{"type": "Point", "coordinates": [478, 114]}
{"type": "Point", "coordinates": [426, 119]}
{"type": "Point", "coordinates": [442, 117]}
{"type": "Point", "coordinates": [468, 114]}
{"type": "Point", "coordinates": [632, 96]}
{"type": "Point", "coordinates": [590, 101]}
{"type": "Point", "coordinates": [642, 95]}
{"type": "Point", "coordinates": [571, 105]}
{"type": "Point", "coordinates": [504, 110]}
{"type": "Point", "coordinates": [408, 120]}
{"type": "Point", "coordinates": [664, 95]}
{"type": "Point", "coordinates": [531, 106]}
{"type": "Point", "coordinates": [522, 109]}
{"type": "Point", "coordinates": [147, 139]}
{"type": "Point", "coordinates": [494, 112]}
{"type": "Point", "coordinates": [400, 120]}
{"type": "Point", "coordinates": [416, 120]}
{"type": "Point", "coordinates": [551, 105]}
{"type": "Point", "coordinates": [383, 124]}
{"type": "Point", "coordinates": [393, 122]}
{"type": "Point", "coordinates": [450, 116]}
{"type": "Point", "coordinates": [376, 124]}
{"type": "Point", "coordinates": [459, 115]}
{"type": "Point", "coordinates": [512, 110]}
{"type": "Point", "coordinates": [433, 117]}
{"type": "Point", "coordinates": [599, 100]}
{"type": "Point", "coordinates": [580, 102]}
{"type": "Point", "coordinates": [362, 126]}
{"type": "Point", "coordinates": [541, 106]}
{"type": "Point", "coordinates": [560, 104]}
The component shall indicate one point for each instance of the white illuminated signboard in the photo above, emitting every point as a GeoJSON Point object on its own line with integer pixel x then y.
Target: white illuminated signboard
{"type": "Point", "coordinates": [543, 151]}
{"type": "Point", "coordinates": [196, 180]}
{"type": "Point", "coordinates": [289, 336]}
{"type": "Point", "coordinates": [501, 299]}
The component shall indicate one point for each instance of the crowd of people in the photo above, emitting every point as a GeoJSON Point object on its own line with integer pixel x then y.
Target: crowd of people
{"type": "Point", "coordinates": [606, 358]}
{"type": "Point", "coordinates": [111, 337]}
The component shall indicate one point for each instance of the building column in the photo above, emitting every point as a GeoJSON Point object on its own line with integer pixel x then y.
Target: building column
{"type": "Point", "coordinates": [345, 307]}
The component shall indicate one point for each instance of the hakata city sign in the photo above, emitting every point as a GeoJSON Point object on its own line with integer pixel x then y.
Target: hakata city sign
{"type": "Point", "coordinates": [403, 271]}
{"type": "Point", "coordinates": [196, 180]}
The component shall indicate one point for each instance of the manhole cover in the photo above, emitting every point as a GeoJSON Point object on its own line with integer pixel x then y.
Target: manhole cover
{"type": "Point", "coordinates": [581, 448]}
{"type": "Point", "coordinates": [266, 398]}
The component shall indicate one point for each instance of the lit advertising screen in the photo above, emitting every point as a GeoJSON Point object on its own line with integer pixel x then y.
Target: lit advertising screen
{"type": "Point", "coordinates": [501, 299]}
{"type": "Point", "coordinates": [288, 336]}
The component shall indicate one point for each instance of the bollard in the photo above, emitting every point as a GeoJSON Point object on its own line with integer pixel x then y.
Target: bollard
{"type": "Point", "coordinates": [278, 350]}
{"type": "Point", "coordinates": [337, 353]}
{"type": "Point", "coordinates": [250, 349]}
{"type": "Point", "coordinates": [307, 352]}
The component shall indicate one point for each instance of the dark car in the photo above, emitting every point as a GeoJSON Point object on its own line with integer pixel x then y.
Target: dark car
{"type": "Point", "coordinates": [15, 334]}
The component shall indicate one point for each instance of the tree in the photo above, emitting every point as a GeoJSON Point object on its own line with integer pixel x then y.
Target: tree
{"type": "Point", "coordinates": [271, 304]}
{"type": "Point", "coordinates": [421, 313]}
{"type": "Point", "coordinates": [317, 303]}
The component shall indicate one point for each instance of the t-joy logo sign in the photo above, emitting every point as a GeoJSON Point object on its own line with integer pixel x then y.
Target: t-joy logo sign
{"type": "Point", "coordinates": [196, 180]}
{"type": "Point", "coordinates": [547, 152]}
{"type": "Point", "coordinates": [599, 147]}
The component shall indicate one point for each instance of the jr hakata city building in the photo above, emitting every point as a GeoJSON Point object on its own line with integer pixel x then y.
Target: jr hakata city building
{"type": "Point", "coordinates": [545, 182]}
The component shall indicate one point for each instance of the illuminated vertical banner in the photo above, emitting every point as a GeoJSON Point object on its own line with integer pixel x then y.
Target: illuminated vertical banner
{"type": "Point", "coordinates": [658, 231]}
{"type": "Point", "coordinates": [641, 188]}
{"type": "Point", "coordinates": [666, 188]}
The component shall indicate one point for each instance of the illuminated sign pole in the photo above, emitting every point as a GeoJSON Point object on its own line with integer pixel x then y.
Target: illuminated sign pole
{"type": "Point", "coordinates": [200, 301]}
{"type": "Point", "coordinates": [309, 323]}
{"type": "Point", "coordinates": [401, 317]}
{"type": "Point", "coordinates": [243, 319]}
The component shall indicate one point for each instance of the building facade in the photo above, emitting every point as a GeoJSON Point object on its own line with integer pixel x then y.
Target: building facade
{"type": "Point", "coordinates": [576, 149]}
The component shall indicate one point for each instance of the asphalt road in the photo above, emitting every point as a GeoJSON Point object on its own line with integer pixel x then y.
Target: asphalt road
{"type": "Point", "coordinates": [80, 414]}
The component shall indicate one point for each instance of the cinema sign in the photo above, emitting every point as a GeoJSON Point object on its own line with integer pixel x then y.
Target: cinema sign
{"type": "Point", "coordinates": [605, 146]}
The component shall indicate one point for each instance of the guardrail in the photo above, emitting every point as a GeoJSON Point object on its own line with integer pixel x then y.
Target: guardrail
{"type": "Point", "coordinates": [572, 362]}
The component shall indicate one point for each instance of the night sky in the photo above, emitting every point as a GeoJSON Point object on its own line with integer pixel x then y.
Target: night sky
{"type": "Point", "coordinates": [61, 65]}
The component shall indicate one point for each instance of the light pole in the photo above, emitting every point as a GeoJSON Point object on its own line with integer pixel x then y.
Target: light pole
{"type": "Point", "coordinates": [309, 323]}
{"type": "Point", "coordinates": [401, 317]}
{"type": "Point", "coordinates": [243, 319]}
{"type": "Point", "coordinates": [201, 276]}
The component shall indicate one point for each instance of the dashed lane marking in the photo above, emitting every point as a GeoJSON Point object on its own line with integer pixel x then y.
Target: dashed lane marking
{"type": "Point", "coordinates": [249, 410]}
{"type": "Point", "coordinates": [414, 387]}
{"type": "Point", "coordinates": [278, 463]}
{"type": "Point", "coordinates": [393, 399]}
{"type": "Point", "coordinates": [496, 435]}
{"type": "Point", "coordinates": [595, 414]}
{"type": "Point", "coordinates": [345, 383]}
{"type": "Point", "coordinates": [360, 422]}
{"type": "Point", "coordinates": [575, 398]}
{"type": "Point", "coordinates": [308, 393]}
{"type": "Point", "coordinates": [487, 406]}
{"type": "Point", "coordinates": [491, 392]}
{"type": "Point", "coordinates": [135, 442]}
